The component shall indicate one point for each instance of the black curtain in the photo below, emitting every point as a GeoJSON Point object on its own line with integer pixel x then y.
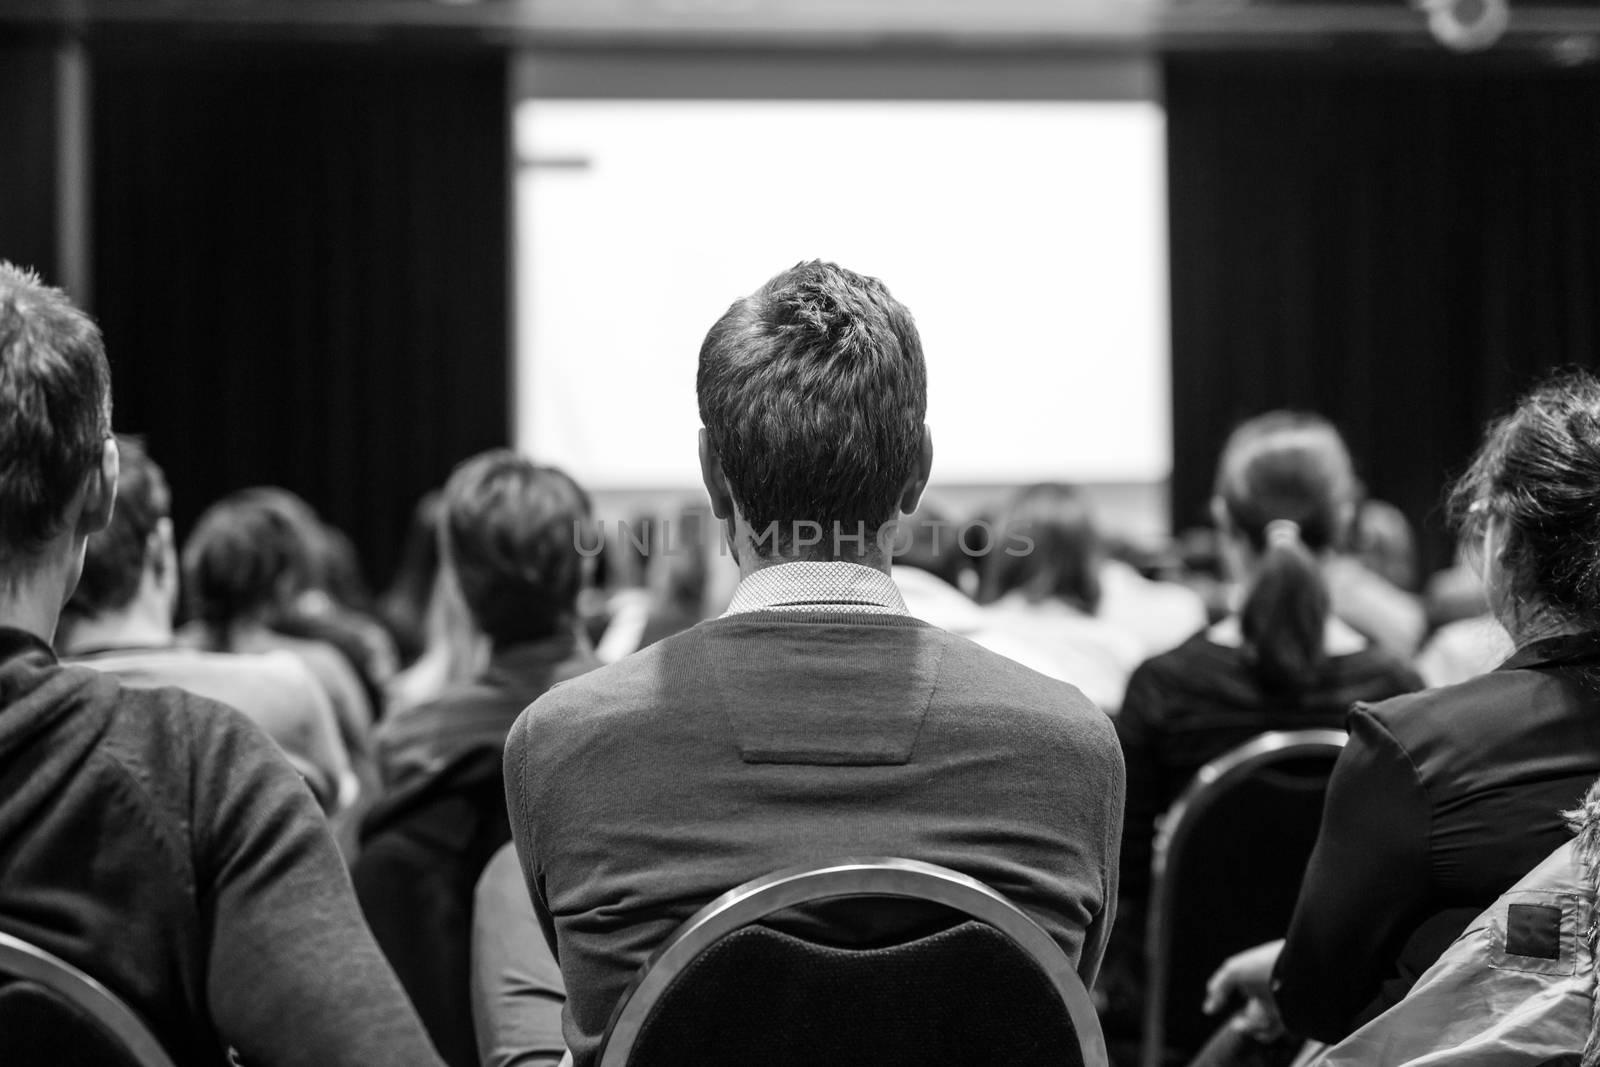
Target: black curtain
{"type": "Point", "coordinates": [1403, 247]}
{"type": "Point", "coordinates": [301, 269]}
{"type": "Point", "coordinates": [29, 98]}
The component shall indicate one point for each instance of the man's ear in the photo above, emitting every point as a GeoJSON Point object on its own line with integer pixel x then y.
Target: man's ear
{"type": "Point", "coordinates": [911, 495]}
{"type": "Point", "coordinates": [100, 491]}
{"type": "Point", "coordinates": [715, 481]}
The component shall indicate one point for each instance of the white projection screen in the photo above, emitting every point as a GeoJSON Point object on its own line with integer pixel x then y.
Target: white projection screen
{"type": "Point", "coordinates": [1028, 238]}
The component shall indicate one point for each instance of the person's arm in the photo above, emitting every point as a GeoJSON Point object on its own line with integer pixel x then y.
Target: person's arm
{"type": "Point", "coordinates": [293, 976]}
{"type": "Point", "coordinates": [1098, 935]}
{"type": "Point", "coordinates": [1389, 616]}
{"type": "Point", "coordinates": [1364, 890]}
{"type": "Point", "coordinates": [1139, 735]}
{"type": "Point", "coordinates": [523, 835]}
{"type": "Point", "coordinates": [343, 686]}
{"type": "Point", "coordinates": [517, 992]}
{"type": "Point", "coordinates": [324, 747]}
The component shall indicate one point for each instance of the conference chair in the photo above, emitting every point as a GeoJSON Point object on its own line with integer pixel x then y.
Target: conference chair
{"type": "Point", "coordinates": [1225, 875]}
{"type": "Point", "coordinates": [54, 1015]}
{"type": "Point", "coordinates": [983, 985]}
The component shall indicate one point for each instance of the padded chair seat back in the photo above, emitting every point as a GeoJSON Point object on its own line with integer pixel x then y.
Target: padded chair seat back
{"type": "Point", "coordinates": [964, 995]}
{"type": "Point", "coordinates": [39, 1028]}
{"type": "Point", "coordinates": [54, 1015]}
{"type": "Point", "coordinates": [878, 961]}
{"type": "Point", "coordinates": [1229, 880]}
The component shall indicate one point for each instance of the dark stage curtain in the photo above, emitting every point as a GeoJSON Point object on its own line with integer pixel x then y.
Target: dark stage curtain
{"type": "Point", "coordinates": [1402, 247]}
{"type": "Point", "coordinates": [28, 155]}
{"type": "Point", "coordinates": [301, 264]}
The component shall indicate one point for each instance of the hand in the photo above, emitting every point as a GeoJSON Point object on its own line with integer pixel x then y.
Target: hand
{"type": "Point", "coordinates": [1248, 974]}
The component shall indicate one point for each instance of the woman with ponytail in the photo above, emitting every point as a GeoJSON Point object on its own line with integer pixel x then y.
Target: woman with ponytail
{"type": "Point", "coordinates": [1284, 494]}
{"type": "Point", "coordinates": [1285, 491]}
{"type": "Point", "coordinates": [1443, 800]}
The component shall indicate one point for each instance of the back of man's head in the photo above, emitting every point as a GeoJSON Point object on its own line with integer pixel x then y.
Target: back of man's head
{"type": "Point", "coordinates": [244, 559]}
{"type": "Point", "coordinates": [115, 561]}
{"type": "Point", "coordinates": [510, 535]}
{"type": "Point", "coordinates": [813, 392]}
{"type": "Point", "coordinates": [55, 411]}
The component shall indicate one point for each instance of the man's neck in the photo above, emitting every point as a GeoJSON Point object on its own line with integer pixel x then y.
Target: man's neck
{"type": "Point", "coordinates": [831, 547]}
{"type": "Point", "coordinates": [32, 602]}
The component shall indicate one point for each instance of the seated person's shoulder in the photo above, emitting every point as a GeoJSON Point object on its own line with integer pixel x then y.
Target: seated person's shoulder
{"type": "Point", "coordinates": [977, 677]}
{"type": "Point", "coordinates": [1199, 669]}
{"type": "Point", "coordinates": [628, 685]}
{"type": "Point", "coordinates": [1451, 716]}
{"type": "Point", "coordinates": [163, 735]}
{"type": "Point", "coordinates": [280, 666]}
{"type": "Point", "coordinates": [185, 718]}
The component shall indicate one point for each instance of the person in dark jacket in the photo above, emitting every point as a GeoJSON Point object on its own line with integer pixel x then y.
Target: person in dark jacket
{"type": "Point", "coordinates": [1444, 799]}
{"type": "Point", "coordinates": [155, 839]}
{"type": "Point", "coordinates": [1282, 660]}
{"type": "Point", "coordinates": [510, 537]}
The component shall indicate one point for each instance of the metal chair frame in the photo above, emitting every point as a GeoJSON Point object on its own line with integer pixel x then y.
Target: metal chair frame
{"type": "Point", "coordinates": [1210, 782]}
{"type": "Point", "coordinates": [872, 877]}
{"type": "Point", "coordinates": [20, 960]}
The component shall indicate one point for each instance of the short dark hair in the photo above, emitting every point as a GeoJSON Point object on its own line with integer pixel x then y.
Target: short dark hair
{"type": "Point", "coordinates": [114, 561]}
{"type": "Point", "coordinates": [243, 557]}
{"type": "Point", "coordinates": [813, 392]}
{"type": "Point", "coordinates": [1539, 470]}
{"type": "Point", "coordinates": [511, 532]}
{"type": "Point", "coordinates": [55, 409]}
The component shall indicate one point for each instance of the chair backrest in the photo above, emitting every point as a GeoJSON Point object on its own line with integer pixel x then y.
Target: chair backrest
{"type": "Point", "coordinates": [987, 986]}
{"type": "Point", "coordinates": [54, 1015]}
{"type": "Point", "coordinates": [1225, 874]}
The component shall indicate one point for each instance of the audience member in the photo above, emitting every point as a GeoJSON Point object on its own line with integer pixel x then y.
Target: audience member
{"type": "Point", "coordinates": [403, 606]}
{"type": "Point", "coordinates": [1518, 985]}
{"type": "Point", "coordinates": [1199, 548]}
{"type": "Point", "coordinates": [1464, 649]}
{"type": "Point", "coordinates": [1161, 614]}
{"type": "Point", "coordinates": [1280, 661]}
{"type": "Point", "coordinates": [628, 599]}
{"type": "Point", "coordinates": [1445, 799]}
{"type": "Point", "coordinates": [242, 566]}
{"type": "Point", "coordinates": [119, 620]}
{"type": "Point", "coordinates": [509, 543]}
{"type": "Point", "coordinates": [1041, 582]}
{"type": "Point", "coordinates": [679, 574]}
{"type": "Point", "coordinates": [328, 600]}
{"type": "Point", "coordinates": [816, 719]}
{"type": "Point", "coordinates": [156, 839]}
{"type": "Point", "coordinates": [1388, 616]}
{"type": "Point", "coordinates": [510, 553]}
{"type": "Point", "coordinates": [517, 992]}
{"type": "Point", "coordinates": [1371, 578]}
{"type": "Point", "coordinates": [666, 589]}
{"type": "Point", "coordinates": [1455, 593]}
{"type": "Point", "coordinates": [930, 567]}
{"type": "Point", "coordinates": [454, 651]}
{"type": "Point", "coordinates": [1381, 540]}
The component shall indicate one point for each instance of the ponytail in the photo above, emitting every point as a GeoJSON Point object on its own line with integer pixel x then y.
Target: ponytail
{"type": "Point", "coordinates": [1284, 615]}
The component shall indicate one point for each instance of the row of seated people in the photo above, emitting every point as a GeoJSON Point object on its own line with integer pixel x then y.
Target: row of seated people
{"type": "Point", "coordinates": [816, 717]}
{"type": "Point", "coordinates": [1076, 605]}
